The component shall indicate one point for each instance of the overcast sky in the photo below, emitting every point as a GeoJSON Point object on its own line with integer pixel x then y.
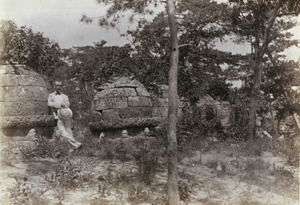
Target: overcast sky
{"type": "Point", "coordinates": [60, 21]}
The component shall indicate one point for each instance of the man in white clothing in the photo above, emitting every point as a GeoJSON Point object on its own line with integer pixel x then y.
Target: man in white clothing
{"type": "Point", "coordinates": [59, 105]}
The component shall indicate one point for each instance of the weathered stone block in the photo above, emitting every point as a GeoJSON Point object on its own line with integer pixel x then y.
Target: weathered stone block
{"type": "Point", "coordinates": [24, 108]}
{"type": "Point", "coordinates": [2, 108]}
{"type": "Point", "coordinates": [141, 91]}
{"type": "Point", "coordinates": [111, 114]}
{"type": "Point", "coordinates": [107, 103]}
{"type": "Point", "coordinates": [135, 112]}
{"type": "Point", "coordinates": [160, 112]}
{"type": "Point", "coordinates": [115, 92]}
{"type": "Point", "coordinates": [6, 69]}
{"type": "Point", "coordinates": [27, 121]}
{"type": "Point", "coordinates": [160, 102]}
{"type": "Point", "coordinates": [139, 102]}
{"type": "Point", "coordinates": [125, 82]}
{"type": "Point", "coordinates": [1, 95]}
{"type": "Point", "coordinates": [8, 80]}
{"type": "Point", "coordinates": [31, 80]}
{"type": "Point", "coordinates": [25, 93]}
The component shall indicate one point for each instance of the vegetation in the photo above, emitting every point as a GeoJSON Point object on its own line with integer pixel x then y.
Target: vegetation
{"type": "Point", "coordinates": [188, 143]}
{"type": "Point", "coordinates": [23, 46]}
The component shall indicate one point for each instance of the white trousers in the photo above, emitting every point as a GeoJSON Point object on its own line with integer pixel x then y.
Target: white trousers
{"type": "Point", "coordinates": [65, 129]}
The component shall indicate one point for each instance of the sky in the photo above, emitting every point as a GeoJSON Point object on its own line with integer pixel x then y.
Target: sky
{"type": "Point", "coordinates": [60, 21]}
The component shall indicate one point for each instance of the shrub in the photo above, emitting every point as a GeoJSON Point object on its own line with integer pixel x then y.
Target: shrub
{"type": "Point", "coordinates": [44, 148]}
{"type": "Point", "coordinates": [146, 157]}
{"type": "Point", "coordinates": [137, 194]}
{"type": "Point", "coordinates": [23, 193]}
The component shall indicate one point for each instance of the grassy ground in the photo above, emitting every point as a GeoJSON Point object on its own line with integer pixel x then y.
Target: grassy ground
{"type": "Point", "coordinates": [133, 171]}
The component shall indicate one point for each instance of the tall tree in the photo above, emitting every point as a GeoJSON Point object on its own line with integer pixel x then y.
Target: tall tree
{"type": "Point", "coordinates": [173, 195]}
{"type": "Point", "coordinates": [255, 19]}
{"type": "Point", "coordinates": [139, 6]}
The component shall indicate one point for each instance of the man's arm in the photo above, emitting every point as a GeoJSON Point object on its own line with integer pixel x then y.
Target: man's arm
{"type": "Point", "coordinates": [65, 102]}
{"type": "Point", "coordinates": [51, 101]}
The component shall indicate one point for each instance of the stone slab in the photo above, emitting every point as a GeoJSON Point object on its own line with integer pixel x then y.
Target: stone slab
{"type": "Point", "coordinates": [23, 108]}
{"type": "Point", "coordinates": [28, 121]}
{"type": "Point", "coordinates": [6, 69]}
{"type": "Point", "coordinates": [111, 114]}
{"type": "Point", "coordinates": [31, 80]}
{"type": "Point", "coordinates": [160, 112]}
{"type": "Point", "coordinates": [115, 92]}
{"type": "Point", "coordinates": [25, 93]}
{"type": "Point", "coordinates": [135, 112]}
{"type": "Point", "coordinates": [125, 82]}
{"type": "Point", "coordinates": [160, 102]}
{"type": "Point", "coordinates": [141, 91]}
{"type": "Point", "coordinates": [139, 102]}
{"type": "Point", "coordinates": [125, 123]}
{"type": "Point", "coordinates": [108, 103]}
{"type": "Point", "coordinates": [8, 80]}
{"type": "Point", "coordinates": [1, 95]}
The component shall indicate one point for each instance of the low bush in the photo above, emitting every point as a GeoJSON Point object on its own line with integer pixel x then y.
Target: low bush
{"type": "Point", "coordinates": [146, 157]}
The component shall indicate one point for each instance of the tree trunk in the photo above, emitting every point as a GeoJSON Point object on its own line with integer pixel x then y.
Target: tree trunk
{"type": "Point", "coordinates": [260, 49]}
{"type": "Point", "coordinates": [254, 100]}
{"type": "Point", "coordinates": [272, 120]}
{"type": "Point", "coordinates": [172, 185]}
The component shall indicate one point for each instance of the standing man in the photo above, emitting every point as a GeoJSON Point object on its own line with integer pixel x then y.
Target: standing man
{"type": "Point", "coordinates": [59, 105]}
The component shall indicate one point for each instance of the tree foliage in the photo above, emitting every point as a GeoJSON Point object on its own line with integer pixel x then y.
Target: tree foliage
{"type": "Point", "coordinates": [255, 20]}
{"type": "Point", "coordinates": [23, 46]}
{"type": "Point", "coordinates": [200, 25]}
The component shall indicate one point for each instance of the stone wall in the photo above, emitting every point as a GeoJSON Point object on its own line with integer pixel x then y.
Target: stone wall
{"type": "Point", "coordinates": [160, 103]}
{"type": "Point", "coordinates": [125, 103]}
{"type": "Point", "coordinates": [23, 101]}
{"type": "Point", "coordinates": [222, 110]}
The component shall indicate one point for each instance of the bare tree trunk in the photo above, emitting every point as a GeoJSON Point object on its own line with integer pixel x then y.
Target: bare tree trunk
{"type": "Point", "coordinates": [254, 100]}
{"type": "Point", "coordinates": [272, 119]}
{"type": "Point", "coordinates": [172, 186]}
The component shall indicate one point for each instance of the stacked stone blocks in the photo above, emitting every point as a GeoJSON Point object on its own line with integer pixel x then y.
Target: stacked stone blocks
{"type": "Point", "coordinates": [23, 100]}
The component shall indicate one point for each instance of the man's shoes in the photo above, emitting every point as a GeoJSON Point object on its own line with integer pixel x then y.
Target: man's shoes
{"type": "Point", "coordinates": [79, 148]}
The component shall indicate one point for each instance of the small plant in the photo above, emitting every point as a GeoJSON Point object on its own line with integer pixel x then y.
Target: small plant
{"type": "Point", "coordinates": [121, 152]}
{"type": "Point", "coordinates": [104, 190]}
{"type": "Point", "coordinates": [212, 164]}
{"type": "Point", "coordinates": [146, 158]}
{"type": "Point", "coordinates": [283, 176]}
{"type": "Point", "coordinates": [287, 148]}
{"type": "Point", "coordinates": [137, 194]}
{"type": "Point", "coordinates": [66, 176]}
{"type": "Point", "coordinates": [254, 148]}
{"type": "Point", "coordinates": [184, 191]}
{"type": "Point", "coordinates": [23, 193]}
{"type": "Point", "coordinates": [44, 147]}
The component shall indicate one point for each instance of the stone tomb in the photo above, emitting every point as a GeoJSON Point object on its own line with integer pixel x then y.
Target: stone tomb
{"type": "Point", "coordinates": [122, 104]}
{"type": "Point", "coordinates": [23, 102]}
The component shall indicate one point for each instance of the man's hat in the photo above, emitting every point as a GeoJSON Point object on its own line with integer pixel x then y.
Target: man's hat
{"type": "Point", "coordinates": [65, 114]}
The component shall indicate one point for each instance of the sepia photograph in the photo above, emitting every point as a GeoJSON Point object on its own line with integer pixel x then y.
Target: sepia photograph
{"type": "Point", "coordinates": [149, 102]}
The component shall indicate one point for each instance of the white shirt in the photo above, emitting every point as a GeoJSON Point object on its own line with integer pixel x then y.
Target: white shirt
{"type": "Point", "coordinates": [56, 100]}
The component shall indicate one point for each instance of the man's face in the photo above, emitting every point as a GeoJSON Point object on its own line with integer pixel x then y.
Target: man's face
{"type": "Point", "coordinates": [57, 86]}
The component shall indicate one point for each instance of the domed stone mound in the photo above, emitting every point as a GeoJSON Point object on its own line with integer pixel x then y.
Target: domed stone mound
{"type": "Point", "coordinates": [122, 104]}
{"type": "Point", "coordinates": [23, 101]}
